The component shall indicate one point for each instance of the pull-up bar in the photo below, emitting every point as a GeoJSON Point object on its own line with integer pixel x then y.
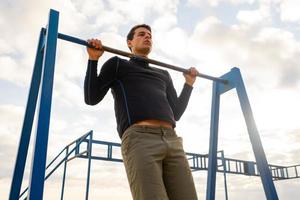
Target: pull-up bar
{"type": "Point", "coordinates": [130, 55]}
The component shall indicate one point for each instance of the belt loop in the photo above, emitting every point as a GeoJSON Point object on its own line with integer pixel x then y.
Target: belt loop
{"type": "Point", "coordinates": [162, 130]}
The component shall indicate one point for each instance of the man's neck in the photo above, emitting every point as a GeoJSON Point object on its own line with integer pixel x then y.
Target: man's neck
{"type": "Point", "coordinates": [140, 54]}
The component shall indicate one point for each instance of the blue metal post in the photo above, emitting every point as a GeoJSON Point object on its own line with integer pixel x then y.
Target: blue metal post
{"type": "Point", "coordinates": [257, 146]}
{"type": "Point", "coordinates": [213, 143]}
{"type": "Point", "coordinates": [89, 152]}
{"type": "Point", "coordinates": [64, 175]}
{"type": "Point", "coordinates": [36, 186]}
{"type": "Point", "coordinates": [224, 173]}
{"type": "Point", "coordinates": [27, 123]}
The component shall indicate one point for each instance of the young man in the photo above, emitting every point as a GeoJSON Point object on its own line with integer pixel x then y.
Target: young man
{"type": "Point", "coordinates": [146, 108]}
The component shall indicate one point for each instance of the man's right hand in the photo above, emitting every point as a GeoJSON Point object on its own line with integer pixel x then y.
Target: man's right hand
{"type": "Point", "coordinates": [96, 52]}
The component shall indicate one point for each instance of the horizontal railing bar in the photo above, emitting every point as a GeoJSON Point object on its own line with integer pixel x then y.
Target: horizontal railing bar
{"type": "Point", "coordinates": [77, 155]}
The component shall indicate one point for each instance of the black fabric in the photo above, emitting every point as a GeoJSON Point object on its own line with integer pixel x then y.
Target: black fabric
{"type": "Point", "coordinates": [140, 91]}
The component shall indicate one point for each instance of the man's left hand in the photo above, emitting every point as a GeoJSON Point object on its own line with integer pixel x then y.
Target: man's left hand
{"type": "Point", "coordinates": [190, 76]}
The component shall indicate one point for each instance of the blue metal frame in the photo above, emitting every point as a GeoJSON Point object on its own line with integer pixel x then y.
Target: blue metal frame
{"type": "Point", "coordinates": [89, 154]}
{"type": "Point", "coordinates": [197, 161]}
{"type": "Point", "coordinates": [213, 143]}
{"type": "Point", "coordinates": [28, 121]}
{"type": "Point", "coordinates": [36, 185]}
{"type": "Point", "coordinates": [262, 164]}
{"type": "Point", "coordinates": [224, 173]}
{"type": "Point", "coordinates": [69, 150]}
{"type": "Point", "coordinates": [235, 81]}
{"type": "Point", "coordinates": [64, 174]}
{"type": "Point", "coordinates": [44, 67]}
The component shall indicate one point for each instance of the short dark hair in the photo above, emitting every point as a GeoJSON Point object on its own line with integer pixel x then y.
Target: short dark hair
{"type": "Point", "coordinates": [131, 32]}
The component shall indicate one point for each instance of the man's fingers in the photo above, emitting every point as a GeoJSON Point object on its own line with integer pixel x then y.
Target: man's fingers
{"type": "Point", "coordinates": [99, 44]}
{"type": "Point", "coordinates": [192, 71]}
{"type": "Point", "coordinates": [95, 43]}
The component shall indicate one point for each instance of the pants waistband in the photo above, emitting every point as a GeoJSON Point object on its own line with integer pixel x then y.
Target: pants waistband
{"type": "Point", "coordinates": [151, 129]}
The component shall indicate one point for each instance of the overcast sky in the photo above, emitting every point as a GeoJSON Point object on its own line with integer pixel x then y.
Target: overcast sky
{"type": "Point", "coordinates": [262, 38]}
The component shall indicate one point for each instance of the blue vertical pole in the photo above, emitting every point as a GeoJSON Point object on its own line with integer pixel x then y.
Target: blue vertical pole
{"type": "Point", "coordinates": [224, 173]}
{"type": "Point", "coordinates": [213, 143]}
{"type": "Point", "coordinates": [256, 143]}
{"type": "Point", "coordinates": [27, 123]}
{"type": "Point", "coordinates": [89, 166]}
{"type": "Point", "coordinates": [36, 185]}
{"type": "Point", "coordinates": [64, 175]}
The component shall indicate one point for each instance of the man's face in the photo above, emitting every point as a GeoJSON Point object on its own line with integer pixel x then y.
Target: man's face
{"type": "Point", "coordinates": [141, 43]}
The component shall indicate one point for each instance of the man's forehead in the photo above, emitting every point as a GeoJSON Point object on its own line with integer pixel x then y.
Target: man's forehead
{"type": "Point", "coordinates": [142, 29]}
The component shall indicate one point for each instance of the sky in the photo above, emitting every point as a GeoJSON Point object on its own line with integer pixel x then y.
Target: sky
{"type": "Point", "coordinates": [261, 38]}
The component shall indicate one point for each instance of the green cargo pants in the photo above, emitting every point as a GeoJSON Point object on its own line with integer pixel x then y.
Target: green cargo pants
{"type": "Point", "coordinates": [156, 165]}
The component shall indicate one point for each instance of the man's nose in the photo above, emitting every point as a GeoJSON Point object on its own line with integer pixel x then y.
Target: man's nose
{"type": "Point", "coordinates": [147, 36]}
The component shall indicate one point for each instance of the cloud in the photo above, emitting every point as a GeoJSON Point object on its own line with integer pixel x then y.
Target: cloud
{"type": "Point", "coordinates": [262, 15]}
{"type": "Point", "coordinates": [263, 48]}
{"type": "Point", "coordinates": [172, 43]}
{"type": "Point", "coordinates": [215, 3]}
{"type": "Point", "coordinates": [10, 129]}
{"type": "Point", "coordinates": [290, 75]}
{"type": "Point", "coordinates": [290, 11]}
{"type": "Point", "coordinates": [11, 119]}
{"type": "Point", "coordinates": [143, 8]}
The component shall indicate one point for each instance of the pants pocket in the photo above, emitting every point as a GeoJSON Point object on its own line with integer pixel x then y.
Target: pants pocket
{"type": "Point", "coordinates": [128, 141]}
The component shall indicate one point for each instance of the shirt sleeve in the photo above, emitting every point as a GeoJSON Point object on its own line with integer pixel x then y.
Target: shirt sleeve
{"type": "Point", "coordinates": [178, 104]}
{"type": "Point", "coordinates": [96, 86]}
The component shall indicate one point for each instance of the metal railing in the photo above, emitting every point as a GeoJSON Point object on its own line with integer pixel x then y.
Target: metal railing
{"type": "Point", "coordinates": [69, 150]}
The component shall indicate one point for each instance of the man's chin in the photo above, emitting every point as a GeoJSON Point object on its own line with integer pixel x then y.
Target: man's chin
{"type": "Point", "coordinates": [146, 50]}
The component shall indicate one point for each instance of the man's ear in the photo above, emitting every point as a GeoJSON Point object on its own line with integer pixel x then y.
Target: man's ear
{"type": "Point", "coordinates": [129, 43]}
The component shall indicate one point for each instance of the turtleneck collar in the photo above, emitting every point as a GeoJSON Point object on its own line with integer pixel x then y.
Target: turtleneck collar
{"type": "Point", "coordinates": [139, 61]}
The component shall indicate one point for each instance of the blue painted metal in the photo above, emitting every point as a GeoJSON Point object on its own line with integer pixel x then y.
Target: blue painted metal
{"type": "Point", "coordinates": [64, 174]}
{"type": "Point", "coordinates": [77, 143]}
{"type": "Point", "coordinates": [224, 174]}
{"type": "Point", "coordinates": [199, 161]}
{"type": "Point", "coordinates": [235, 81]}
{"type": "Point", "coordinates": [89, 154]}
{"type": "Point", "coordinates": [213, 143]}
{"type": "Point", "coordinates": [36, 186]}
{"type": "Point", "coordinates": [27, 123]}
{"type": "Point", "coordinates": [262, 164]}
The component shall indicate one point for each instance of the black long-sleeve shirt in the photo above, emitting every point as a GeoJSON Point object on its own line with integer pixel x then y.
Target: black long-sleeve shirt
{"type": "Point", "coordinates": [140, 91]}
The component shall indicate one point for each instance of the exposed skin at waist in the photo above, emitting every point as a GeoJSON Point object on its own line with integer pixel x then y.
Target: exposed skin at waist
{"type": "Point", "coordinates": [154, 122]}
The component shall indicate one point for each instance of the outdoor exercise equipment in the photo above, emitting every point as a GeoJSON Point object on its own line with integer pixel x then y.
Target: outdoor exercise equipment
{"type": "Point", "coordinates": [42, 78]}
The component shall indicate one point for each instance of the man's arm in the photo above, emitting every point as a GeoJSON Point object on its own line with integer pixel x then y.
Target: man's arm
{"type": "Point", "coordinates": [179, 104]}
{"type": "Point", "coordinates": [95, 87]}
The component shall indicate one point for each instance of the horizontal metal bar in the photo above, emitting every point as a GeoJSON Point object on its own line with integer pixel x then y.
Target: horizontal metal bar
{"type": "Point", "coordinates": [102, 158]}
{"type": "Point", "coordinates": [113, 144]}
{"type": "Point", "coordinates": [80, 140]}
{"type": "Point", "coordinates": [77, 155]}
{"type": "Point", "coordinates": [130, 55]}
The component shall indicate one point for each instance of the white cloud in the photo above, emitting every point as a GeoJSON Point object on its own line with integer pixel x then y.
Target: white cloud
{"type": "Point", "coordinates": [8, 67]}
{"type": "Point", "coordinates": [90, 8]}
{"type": "Point", "coordinates": [10, 128]}
{"type": "Point", "coordinates": [263, 48]}
{"type": "Point", "coordinates": [260, 16]}
{"type": "Point", "coordinates": [215, 45]}
{"type": "Point", "coordinates": [164, 23]}
{"type": "Point", "coordinates": [290, 10]}
{"type": "Point", "coordinates": [172, 43]}
{"type": "Point", "coordinates": [217, 2]}
{"type": "Point", "coordinates": [250, 17]}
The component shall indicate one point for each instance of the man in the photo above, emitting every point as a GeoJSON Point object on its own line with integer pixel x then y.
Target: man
{"type": "Point", "coordinates": [146, 108]}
